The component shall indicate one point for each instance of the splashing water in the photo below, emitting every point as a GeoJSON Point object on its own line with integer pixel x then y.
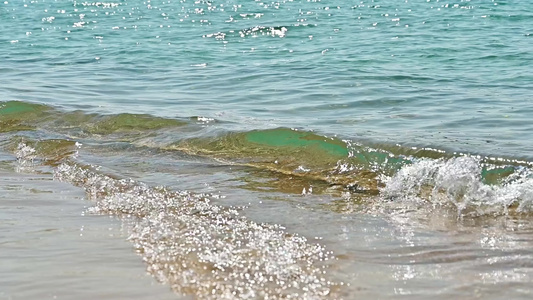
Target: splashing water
{"type": "Point", "coordinates": [458, 182]}
{"type": "Point", "coordinates": [25, 157]}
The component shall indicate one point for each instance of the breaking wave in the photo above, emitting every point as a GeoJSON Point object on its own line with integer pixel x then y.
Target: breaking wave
{"type": "Point", "coordinates": [460, 182]}
{"type": "Point", "coordinates": [371, 173]}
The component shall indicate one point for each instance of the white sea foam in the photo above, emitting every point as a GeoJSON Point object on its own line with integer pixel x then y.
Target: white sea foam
{"type": "Point", "coordinates": [204, 249]}
{"type": "Point", "coordinates": [458, 182]}
{"type": "Point", "coordinates": [26, 156]}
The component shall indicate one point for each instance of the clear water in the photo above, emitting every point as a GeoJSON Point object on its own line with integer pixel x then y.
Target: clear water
{"type": "Point", "coordinates": [51, 251]}
{"type": "Point", "coordinates": [411, 161]}
{"type": "Point", "coordinates": [447, 74]}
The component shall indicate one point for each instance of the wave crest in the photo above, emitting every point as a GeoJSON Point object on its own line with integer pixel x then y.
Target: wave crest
{"type": "Point", "coordinates": [461, 183]}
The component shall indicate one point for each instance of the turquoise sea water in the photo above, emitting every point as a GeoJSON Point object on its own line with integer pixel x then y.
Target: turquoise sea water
{"type": "Point", "coordinates": [450, 74]}
{"type": "Point", "coordinates": [395, 134]}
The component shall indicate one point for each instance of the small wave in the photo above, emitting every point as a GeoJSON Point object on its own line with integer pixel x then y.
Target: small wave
{"type": "Point", "coordinates": [473, 185]}
{"type": "Point", "coordinates": [289, 151]}
{"type": "Point", "coordinates": [460, 182]}
{"type": "Point", "coordinates": [19, 116]}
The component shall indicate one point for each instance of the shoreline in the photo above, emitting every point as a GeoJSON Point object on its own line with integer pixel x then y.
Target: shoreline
{"type": "Point", "coordinates": [51, 250]}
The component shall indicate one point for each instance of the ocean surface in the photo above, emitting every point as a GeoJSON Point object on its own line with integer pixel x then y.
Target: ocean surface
{"type": "Point", "coordinates": [266, 149]}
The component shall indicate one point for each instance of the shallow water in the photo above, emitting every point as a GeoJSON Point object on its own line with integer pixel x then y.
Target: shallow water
{"type": "Point", "coordinates": [266, 150]}
{"type": "Point", "coordinates": [52, 250]}
{"type": "Point", "coordinates": [418, 247]}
